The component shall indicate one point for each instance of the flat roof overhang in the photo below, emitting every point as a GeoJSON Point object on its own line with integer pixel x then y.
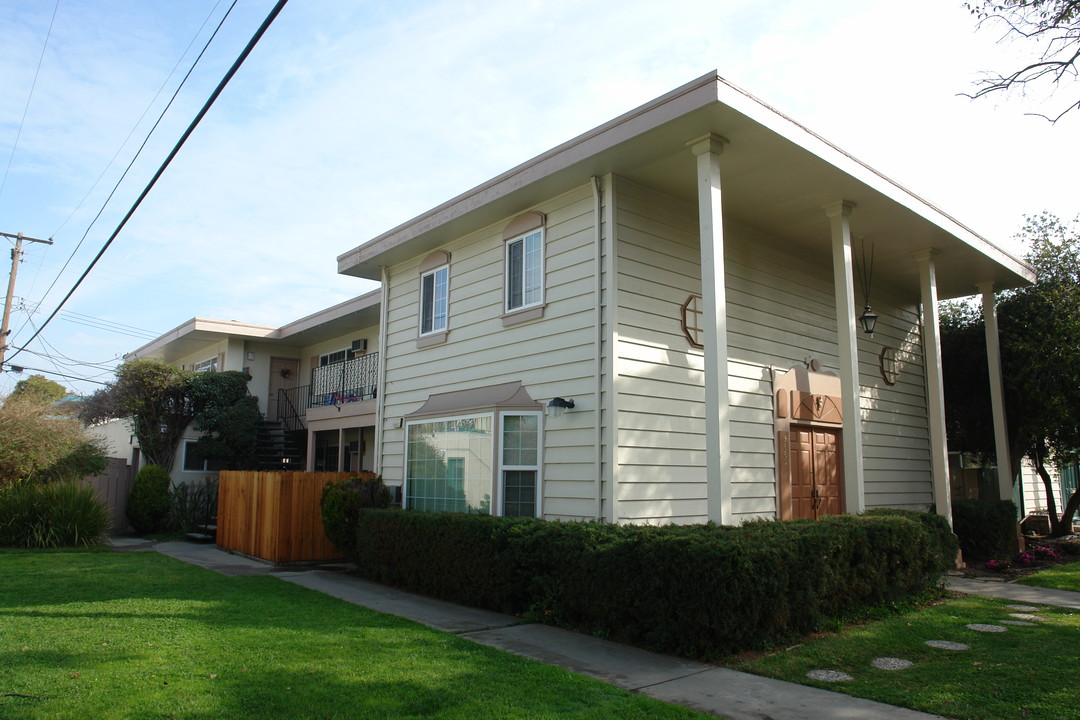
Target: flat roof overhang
{"type": "Point", "coordinates": [776, 175]}
{"type": "Point", "coordinates": [204, 334]}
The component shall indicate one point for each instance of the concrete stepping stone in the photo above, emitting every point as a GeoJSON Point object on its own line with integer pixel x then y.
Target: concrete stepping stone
{"type": "Point", "coordinates": [1022, 608]}
{"type": "Point", "coordinates": [890, 663]}
{"type": "Point", "coordinates": [1025, 616]}
{"type": "Point", "coordinates": [1020, 623]}
{"type": "Point", "coordinates": [829, 676]}
{"type": "Point", "coordinates": [947, 645]}
{"type": "Point", "coordinates": [980, 627]}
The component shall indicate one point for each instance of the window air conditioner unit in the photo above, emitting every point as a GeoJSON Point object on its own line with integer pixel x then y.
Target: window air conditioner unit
{"type": "Point", "coordinates": [359, 345]}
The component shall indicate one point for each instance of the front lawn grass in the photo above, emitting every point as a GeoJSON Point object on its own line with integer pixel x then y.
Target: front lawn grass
{"type": "Point", "coordinates": [1024, 672]}
{"type": "Point", "coordinates": [141, 635]}
{"type": "Point", "coordinates": [1061, 577]}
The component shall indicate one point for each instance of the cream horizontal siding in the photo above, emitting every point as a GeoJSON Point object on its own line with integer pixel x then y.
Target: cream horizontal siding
{"type": "Point", "coordinates": [780, 311]}
{"type": "Point", "coordinates": [660, 447]}
{"type": "Point", "coordinates": [554, 355]}
{"type": "Point", "coordinates": [896, 435]}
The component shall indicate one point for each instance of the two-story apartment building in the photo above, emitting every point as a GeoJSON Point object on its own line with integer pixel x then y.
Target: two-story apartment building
{"type": "Point", "coordinates": [315, 380]}
{"type": "Point", "coordinates": [659, 321]}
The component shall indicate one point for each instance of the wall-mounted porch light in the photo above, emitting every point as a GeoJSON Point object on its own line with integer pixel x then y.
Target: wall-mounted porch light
{"type": "Point", "coordinates": [558, 406]}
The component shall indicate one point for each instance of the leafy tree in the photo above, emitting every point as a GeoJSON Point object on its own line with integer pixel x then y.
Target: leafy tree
{"type": "Point", "coordinates": [155, 397]}
{"type": "Point", "coordinates": [162, 401]}
{"type": "Point", "coordinates": [1053, 26]}
{"type": "Point", "coordinates": [228, 418]}
{"type": "Point", "coordinates": [1039, 332]}
{"type": "Point", "coordinates": [40, 389]}
{"type": "Point", "coordinates": [38, 446]}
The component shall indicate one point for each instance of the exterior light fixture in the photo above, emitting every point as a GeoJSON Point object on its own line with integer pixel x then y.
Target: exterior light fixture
{"type": "Point", "coordinates": [558, 406]}
{"type": "Point", "coordinates": [865, 270]}
{"type": "Point", "coordinates": [868, 320]}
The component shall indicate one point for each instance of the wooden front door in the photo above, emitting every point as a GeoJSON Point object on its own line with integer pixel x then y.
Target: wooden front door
{"type": "Point", "coordinates": [816, 480]}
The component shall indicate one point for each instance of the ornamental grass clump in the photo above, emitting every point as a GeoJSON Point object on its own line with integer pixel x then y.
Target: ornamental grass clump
{"type": "Point", "coordinates": [63, 514]}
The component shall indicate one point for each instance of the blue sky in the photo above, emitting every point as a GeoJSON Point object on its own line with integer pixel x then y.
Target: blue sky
{"type": "Point", "coordinates": [349, 119]}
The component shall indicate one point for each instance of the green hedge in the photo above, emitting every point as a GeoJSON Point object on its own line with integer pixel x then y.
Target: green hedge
{"type": "Point", "coordinates": [986, 528]}
{"type": "Point", "coordinates": [699, 591]}
{"type": "Point", "coordinates": [341, 503]}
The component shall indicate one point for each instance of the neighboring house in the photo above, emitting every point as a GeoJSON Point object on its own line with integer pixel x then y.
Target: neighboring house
{"type": "Point", "coordinates": [315, 379]}
{"type": "Point", "coordinates": [657, 321]}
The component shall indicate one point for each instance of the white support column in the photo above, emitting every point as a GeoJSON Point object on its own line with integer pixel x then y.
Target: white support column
{"type": "Point", "coordinates": [847, 346]}
{"type": "Point", "coordinates": [997, 392]}
{"type": "Point", "coordinates": [714, 301]}
{"type": "Point", "coordinates": [935, 394]}
{"type": "Point", "coordinates": [380, 383]}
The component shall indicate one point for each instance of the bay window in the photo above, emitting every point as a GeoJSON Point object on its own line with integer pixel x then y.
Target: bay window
{"type": "Point", "coordinates": [487, 463]}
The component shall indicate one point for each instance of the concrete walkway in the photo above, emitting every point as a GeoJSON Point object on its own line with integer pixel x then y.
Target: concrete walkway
{"type": "Point", "coordinates": [1027, 594]}
{"type": "Point", "coordinates": [718, 691]}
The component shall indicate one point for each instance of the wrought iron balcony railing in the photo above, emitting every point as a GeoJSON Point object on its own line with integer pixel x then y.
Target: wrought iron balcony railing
{"type": "Point", "coordinates": [345, 382]}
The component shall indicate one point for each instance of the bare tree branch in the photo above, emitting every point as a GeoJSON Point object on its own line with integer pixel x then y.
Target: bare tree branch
{"type": "Point", "coordinates": [1054, 24]}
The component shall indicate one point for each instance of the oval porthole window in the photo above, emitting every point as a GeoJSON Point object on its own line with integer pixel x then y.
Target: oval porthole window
{"type": "Point", "coordinates": [890, 369]}
{"type": "Point", "coordinates": [691, 321]}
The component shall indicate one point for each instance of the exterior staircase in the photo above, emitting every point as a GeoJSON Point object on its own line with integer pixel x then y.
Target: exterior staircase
{"type": "Point", "coordinates": [278, 448]}
{"type": "Point", "coordinates": [204, 533]}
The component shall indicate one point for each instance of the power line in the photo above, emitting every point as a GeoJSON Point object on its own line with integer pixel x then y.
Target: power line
{"type": "Point", "coordinates": [147, 110]}
{"type": "Point", "coordinates": [172, 154]}
{"type": "Point", "coordinates": [23, 368]}
{"type": "Point", "coordinates": [136, 156]}
{"type": "Point", "coordinates": [29, 97]}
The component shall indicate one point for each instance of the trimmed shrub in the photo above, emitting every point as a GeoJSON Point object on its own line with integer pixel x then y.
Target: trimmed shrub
{"type": "Point", "coordinates": [936, 525]}
{"type": "Point", "coordinates": [986, 528]}
{"type": "Point", "coordinates": [149, 503]}
{"type": "Point", "coordinates": [36, 515]}
{"type": "Point", "coordinates": [700, 591]}
{"type": "Point", "coordinates": [341, 504]}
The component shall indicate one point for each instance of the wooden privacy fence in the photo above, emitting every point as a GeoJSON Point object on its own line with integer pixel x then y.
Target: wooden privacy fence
{"type": "Point", "coordinates": [274, 516]}
{"type": "Point", "coordinates": [113, 487]}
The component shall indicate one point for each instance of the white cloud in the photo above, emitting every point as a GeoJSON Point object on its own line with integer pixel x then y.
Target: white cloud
{"type": "Point", "coordinates": [349, 119]}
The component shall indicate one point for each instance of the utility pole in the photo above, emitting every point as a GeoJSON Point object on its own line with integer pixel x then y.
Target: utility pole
{"type": "Point", "coordinates": [16, 256]}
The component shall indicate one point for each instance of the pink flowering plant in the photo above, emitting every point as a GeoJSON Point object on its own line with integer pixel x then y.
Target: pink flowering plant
{"type": "Point", "coordinates": [1046, 553]}
{"type": "Point", "coordinates": [997, 565]}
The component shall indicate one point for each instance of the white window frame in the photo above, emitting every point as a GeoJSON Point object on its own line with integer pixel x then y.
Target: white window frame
{"type": "Point", "coordinates": [429, 304]}
{"type": "Point", "coordinates": [347, 355]}
{"type": "Point", "coordinates": [189, 446]}
{"type": "Point", "coordinates": [538, 288]}
{"type": "Point", "coordinates": [208, 365]}
{"type": "Point", "coordinates": [495, 483]}
{"type": "Point", "coordinates": [502, 467]}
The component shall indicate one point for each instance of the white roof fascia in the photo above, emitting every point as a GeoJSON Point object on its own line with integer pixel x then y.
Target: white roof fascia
{"type": "Point", "coordinates": [362, 302]}
{"type": "Point", "coordinates": [680, 101]}
{"type": "Point", "coordinates": [707, 89]}
{"type": "Point", "coordinates": [223, 327]}
{"type": "Point", "coordinates": [768, 116]}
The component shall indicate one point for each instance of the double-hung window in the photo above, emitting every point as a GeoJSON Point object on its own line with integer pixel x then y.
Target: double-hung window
{"type": "Point", "coordinates": [525, 270]}
{"type": "Point", "coordinates": [433, 300]}
{"type": "Point", "coordinates": [520, 467]}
